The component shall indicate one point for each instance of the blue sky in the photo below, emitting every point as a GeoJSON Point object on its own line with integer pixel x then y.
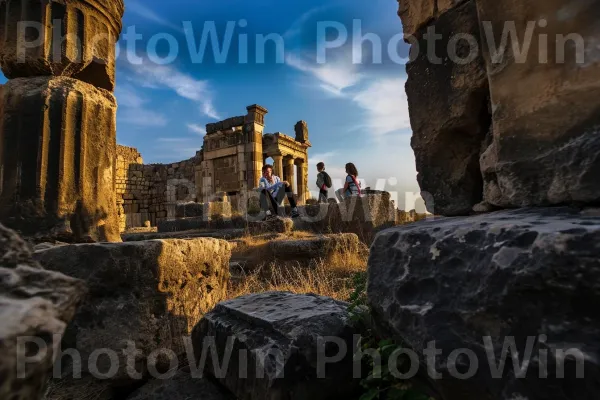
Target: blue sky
{"type": "Point", "coordinates": [355, 112]}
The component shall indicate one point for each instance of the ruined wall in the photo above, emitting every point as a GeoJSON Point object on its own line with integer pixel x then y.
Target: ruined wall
{"type": "Point", "coordinates": [150, 192]}
{"type": "Point", "coordinates": [493, 128]}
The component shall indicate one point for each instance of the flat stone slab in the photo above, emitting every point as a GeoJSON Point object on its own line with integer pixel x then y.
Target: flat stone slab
{"type": "Point", "coordinates": [529, 274]}
{"type": "Point", "coordinates": [279, 334]}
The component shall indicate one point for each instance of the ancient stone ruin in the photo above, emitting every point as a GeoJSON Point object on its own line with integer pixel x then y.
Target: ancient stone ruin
{"type": "Point", "coordinates": [514, 143]}
{"type": "Point", "coordinates": [58, 132]}
{"type": "Point", "coordinates": [226, 168]}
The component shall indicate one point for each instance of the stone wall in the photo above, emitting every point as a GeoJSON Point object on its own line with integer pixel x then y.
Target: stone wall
{"type": "Point", "coordinates": [151, 192]}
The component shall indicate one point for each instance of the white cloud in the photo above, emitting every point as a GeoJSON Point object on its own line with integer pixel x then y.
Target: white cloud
{"type": "Point", "coordinates": [132, 109]}
{"type": "Point", "coordinates": [149, 14]}
{"type": "Point", "coordinates": [200, 130]}
{"type": "Point", "coordinates": [386, 105]}
{"type": "Point", "coordinates": [333, 77]}
{"type": "Point", "coordinates": [159, 76]}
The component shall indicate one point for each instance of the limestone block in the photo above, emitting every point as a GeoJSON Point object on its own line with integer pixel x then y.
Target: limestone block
{"type": "Point", "coordinates": [314, 248]}
{"type": "Point", "coordinates": [273, 225]}
{"type": "Point", "coordinates": [33, 303]}
{"type": "Point", "coordinates": [512, 274]}
{"type": "Point", "coordinates": [448, 104]}
{"type": "Point", "coordinates": [33, 41]}
{"type": "Point", "coordinates": [279, 333]}
{"type": "Point", "coordinates": [150, 293]}
{"type": "Point", "coordinates": [546, 105]}
{"type": "Point", "coordinates": [59, 146]}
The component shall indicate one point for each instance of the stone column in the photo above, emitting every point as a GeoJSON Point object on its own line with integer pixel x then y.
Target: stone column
{"type": "Point", "coordinates": [58, 128]}
{"type": "Point", "coordinates": [278, 165]}
{"type": "Point", "coordinates": [254, 125]}
{"type": "Point", "coordinates": [289, 171]}
{"type": "Point", "coordinates": [300, 166]}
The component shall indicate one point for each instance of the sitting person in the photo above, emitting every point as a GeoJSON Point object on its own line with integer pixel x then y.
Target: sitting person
{"type": "Point", "coordinates": [272, 192]}
{"type": "Point", "coordinates": [351, 186]}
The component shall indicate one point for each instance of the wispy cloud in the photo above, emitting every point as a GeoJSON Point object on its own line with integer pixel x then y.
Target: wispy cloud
{"type": "Point", "coordinates": [195, 128]}
{"type": "Point", "coordinates": [296, 27]}
{"type": "Point", "coordinates": [333, 77]}
{"type": "Point", "coordinates": [386, 105]}
{"type": "Point", "coordinates": [186, 86]}
{"type": "Point", "coordinates": [147, 13]}
{"type": "Point", "coordinates": [133, 110]}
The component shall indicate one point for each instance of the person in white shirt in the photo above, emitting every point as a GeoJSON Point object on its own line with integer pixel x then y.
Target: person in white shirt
{"type": "Point", "coordinates": [273, 191]}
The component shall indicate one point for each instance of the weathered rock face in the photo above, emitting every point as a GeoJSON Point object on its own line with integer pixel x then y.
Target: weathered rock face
{"type": "Point", "coordinates": [448, 104]}
{"type": "Point", "coordinates": [32, 48]}
{"type": "Point", "coordinates": [546, 102]}
{"type": "Point", "coordinates": [527, 274]}
{"type": "Point", "coordinates": [278, 332]}
{"type": "Point", "coordinates": [181, 387]}
{"type": "Point", "coordinates": [149, 294]}
{"type": "Point", "coordinates": [534, 131]}
{"type": "Point", "coordinates": [58, 146]}
{"type": "Point", "coordinates": [34, 303]}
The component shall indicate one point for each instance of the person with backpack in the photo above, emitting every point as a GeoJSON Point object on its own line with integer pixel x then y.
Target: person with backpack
{"type": "Point", "coordinates": [323, 183]}
{"type": "Point", "coordinates": [351, 186]}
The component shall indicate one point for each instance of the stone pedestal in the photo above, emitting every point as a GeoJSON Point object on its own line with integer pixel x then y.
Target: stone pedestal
{"type": "Point", "coordinates": [58, 145]}
{"type": "Point", "coordinates": [69, 38]}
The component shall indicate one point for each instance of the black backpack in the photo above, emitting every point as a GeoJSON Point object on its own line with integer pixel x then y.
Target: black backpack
{"type": "Point", "coordinates": [327, 179]}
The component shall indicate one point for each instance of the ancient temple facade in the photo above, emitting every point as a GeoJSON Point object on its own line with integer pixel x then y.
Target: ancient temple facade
{"type": "Point", "coordinates": [227, 167]}
{"type": "Point", "coordinates": [236, 149]}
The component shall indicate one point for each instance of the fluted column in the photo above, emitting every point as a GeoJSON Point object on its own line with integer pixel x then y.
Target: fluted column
{"type": "Point", "coordinates": [289, 171]}
{"type": "Point", "coordinates": [278, 166]}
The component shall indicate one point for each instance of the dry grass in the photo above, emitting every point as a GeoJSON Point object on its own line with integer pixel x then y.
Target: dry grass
{"type": "Point", "coordinates": [332, 277]}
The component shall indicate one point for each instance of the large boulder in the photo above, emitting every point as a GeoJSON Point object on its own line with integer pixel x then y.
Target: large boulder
{"type": "Point", "coordinates": [85, 51]}
{"type": "Point", "coordinates": [143, 294]}
{"type": "Point", "coordinates": [545, 102]}
{"type": "Point", "coordinates": [35, 307]}
{"type": "Point", "coordinates": [59, 175]}
{"type": "Point", "coordinates": [274, 339]}
{"type": "Point", "coordinates": [448, 103]}
{"type": "Point", "coordinates": [529, 276]}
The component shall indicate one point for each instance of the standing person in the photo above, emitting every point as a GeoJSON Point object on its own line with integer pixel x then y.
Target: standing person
{"type": "Point", "coordinates": [351, 186]}
{"type": "Point", "coordinates": [323, 183]}
{"type": "Point", "coordinates": [273, 191]}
